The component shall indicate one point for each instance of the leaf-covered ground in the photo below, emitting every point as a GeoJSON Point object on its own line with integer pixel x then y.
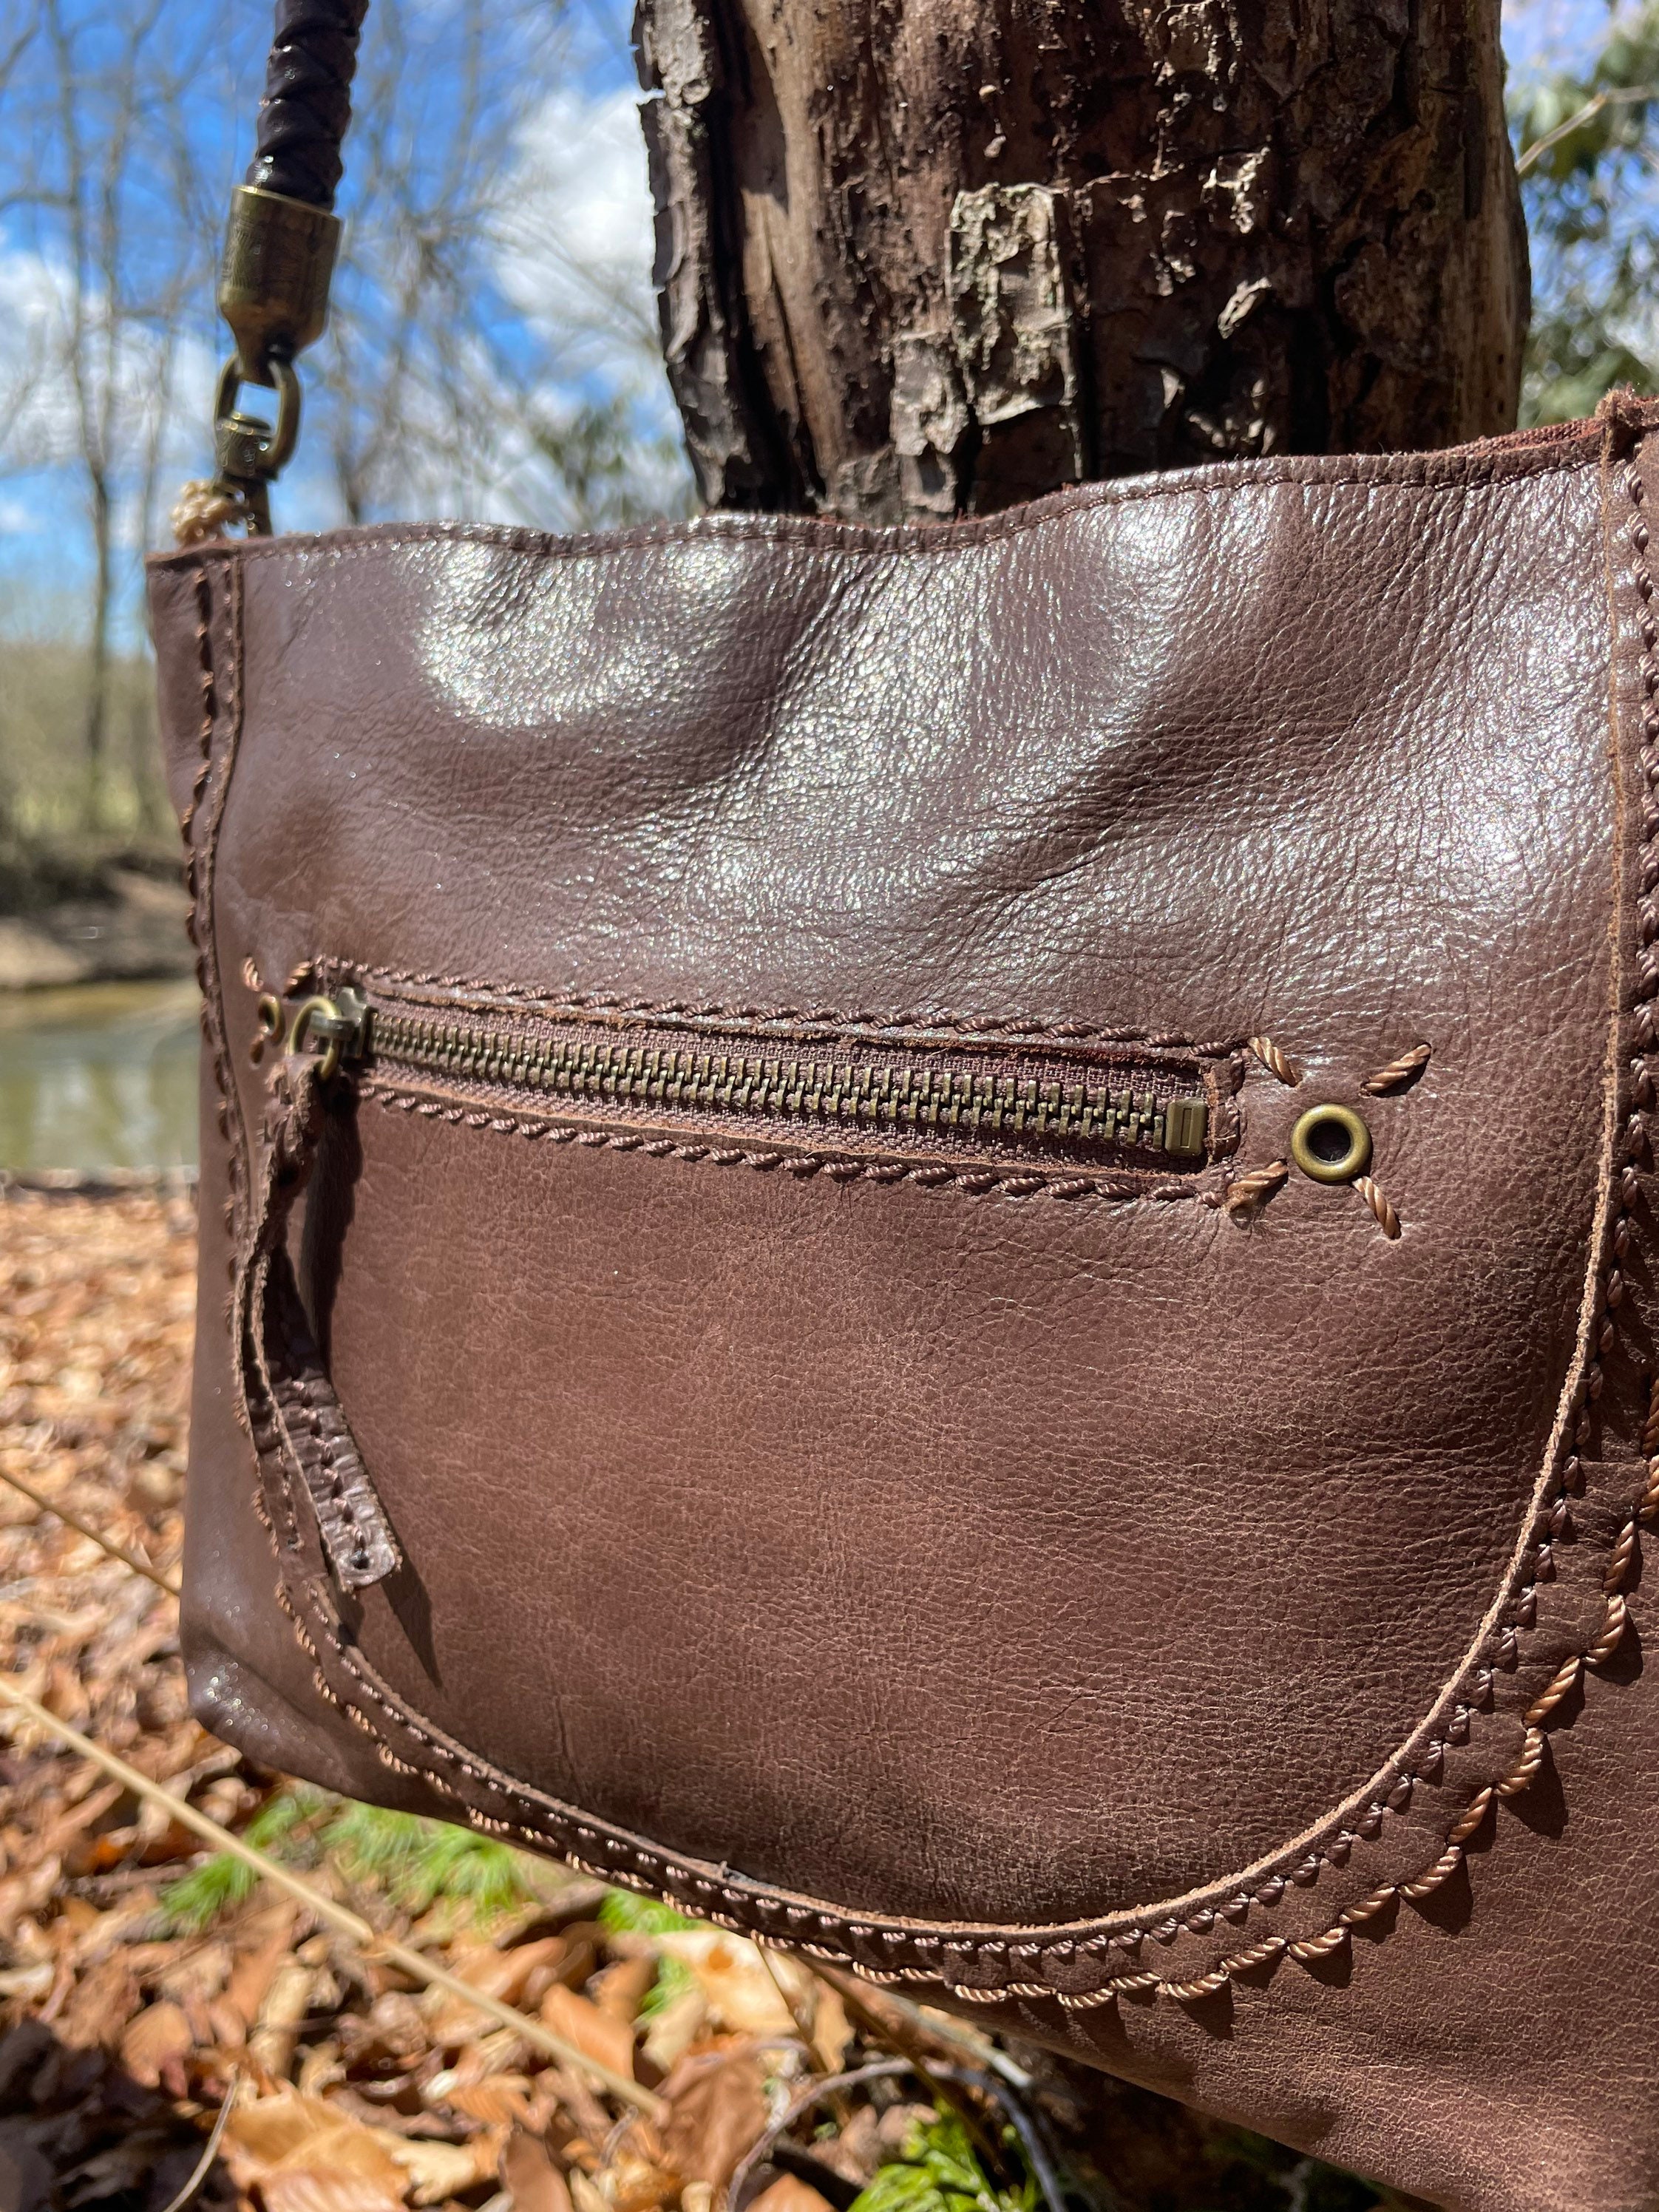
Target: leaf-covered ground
{"type": "Point", "coordinates": [147, 1983]}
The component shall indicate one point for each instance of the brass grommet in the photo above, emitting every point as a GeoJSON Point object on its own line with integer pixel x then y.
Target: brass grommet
{"type": "Point", "coordinates": [1332, 1143]}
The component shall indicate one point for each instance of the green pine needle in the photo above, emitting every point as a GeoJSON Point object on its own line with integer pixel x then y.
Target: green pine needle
{"type": "Point", "coordinates": [625, 1913]}
{"type": "Point", "coordinates": [416, 1862]}
{"type": "Point", "coordinates": [275, 1828]}
{"type": "Point", "coordinates": [189, 1905]}
{"type": "Point", "coordinates": [413, 1862]}
{"type": "Point", "coordinates": [223, 1884]}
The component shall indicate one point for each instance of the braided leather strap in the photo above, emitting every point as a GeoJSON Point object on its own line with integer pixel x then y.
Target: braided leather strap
{"type": "Point", "coordinates": [307, 99]}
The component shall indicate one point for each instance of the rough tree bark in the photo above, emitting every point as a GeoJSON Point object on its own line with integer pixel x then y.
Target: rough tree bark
{"type": "Point", "coordinates": [922, 257]}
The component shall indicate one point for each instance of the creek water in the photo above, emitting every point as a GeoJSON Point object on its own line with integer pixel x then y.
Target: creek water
{"type": "Point", "coordinates": [102, 1075]}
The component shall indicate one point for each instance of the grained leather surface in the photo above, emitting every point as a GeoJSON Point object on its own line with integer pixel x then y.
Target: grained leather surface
{"type": "Point", "coordinates": [1134, 1604]}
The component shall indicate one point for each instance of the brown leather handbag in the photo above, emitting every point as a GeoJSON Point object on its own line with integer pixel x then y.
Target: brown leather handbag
{"type": "Point", "coordinates": [943, 1241]}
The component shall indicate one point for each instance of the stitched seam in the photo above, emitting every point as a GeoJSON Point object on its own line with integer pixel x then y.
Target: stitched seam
{"type": "Point", "coordinates": [838, 1166]}
{"type": "Point", "coordinates": [991, 1026]}
{"type": "Point", "coordinates": [200, 876]}
{"type": "Point", "coordinates": [824, 535]}
{"type": "Point", "coordinates": [649, 1869]}
{"type": "Point", "coordinates": [620, 1859]}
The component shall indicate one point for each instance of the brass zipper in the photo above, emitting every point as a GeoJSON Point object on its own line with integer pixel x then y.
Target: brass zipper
{"type": "Point", "coordinates": [1041, 1102]}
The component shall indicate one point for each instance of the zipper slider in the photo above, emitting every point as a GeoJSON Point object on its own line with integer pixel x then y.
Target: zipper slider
{"type": "Point", "coordinates": [339, 1025]}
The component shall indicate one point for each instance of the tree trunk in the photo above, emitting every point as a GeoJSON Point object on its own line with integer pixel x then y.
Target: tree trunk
{"type": "Point", "coordinates": [923, 258]}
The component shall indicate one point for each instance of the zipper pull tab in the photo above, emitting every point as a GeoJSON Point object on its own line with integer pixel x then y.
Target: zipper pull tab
{"type": "Point", "coordinates": [339, 1025]}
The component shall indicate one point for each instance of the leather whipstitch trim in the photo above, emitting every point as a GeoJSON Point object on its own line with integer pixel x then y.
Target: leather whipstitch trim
{"type": "Point", "coordinates": [618, 1858]}
{"type": "Point", "coordinates": [202, 859]}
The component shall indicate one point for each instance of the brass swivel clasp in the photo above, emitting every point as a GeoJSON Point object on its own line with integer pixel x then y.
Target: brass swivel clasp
{"type": "Point", "coordinates": [273, 292]}
{"type": "Point", "coordinates": [248, 453]}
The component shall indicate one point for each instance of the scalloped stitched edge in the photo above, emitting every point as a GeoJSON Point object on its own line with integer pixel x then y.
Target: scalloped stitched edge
{"type": "Point", "coordinates": [699, 1893]}
{"type": "Point", "coordinates": [590, 1839]}
{"type": "Point", "coordinates": [591, 1846]}
{"type": "Point", "coordinates": [200, 859]}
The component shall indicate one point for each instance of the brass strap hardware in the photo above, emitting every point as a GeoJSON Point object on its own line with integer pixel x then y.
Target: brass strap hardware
{"type": "Point", "coordinates": [274, 279]}
{"type": "Point", "coordinates": [247, 454]}
{"type": "Point", "coordinates": [273, 291]}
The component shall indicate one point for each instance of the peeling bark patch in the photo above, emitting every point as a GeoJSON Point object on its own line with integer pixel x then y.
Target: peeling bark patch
{"type": "Point", "coordinates": [1013, 322]}
{"type": "Point", "coordinates": [930, 421]}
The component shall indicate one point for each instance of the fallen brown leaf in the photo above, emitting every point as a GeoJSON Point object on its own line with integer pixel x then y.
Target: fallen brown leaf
{"type": "Point", "coordinates": [254, 1970]}
{"type": "Point", "coordinates": [498, 2097]}
{"type": "Point", "coordinates": [619, 1989]}
{"type": "Point", "coordinates": [717, 2112]}
{"type": "Point", "coordinates": [832, 2029]}
{"type": "Point", "coordinates": [314, 2189]}
{"type": "Point", "coordinates": [676, 2027]}
{"type": "Point", "coordinates": [788, 2195]}
{"type": "Point", "coordinates": [530, 2177]}
{"type": "Point", "coordinates": [740, 1986]}
{"type": "Point", "coordinates": [304, 2156]}
{"type": "Point", "coordinates": [633, 2184]}
{"type": "Point", "coordinates": [277, 2025]}
{"type": "Point", "coordinates": [596, 2034]}
{"type": "Point", "coordinates": [439, 2170]}
{"type": "Point", "coordinates": [156, 2042]}
{"type": "Point", "coordinates": [103, 2002]}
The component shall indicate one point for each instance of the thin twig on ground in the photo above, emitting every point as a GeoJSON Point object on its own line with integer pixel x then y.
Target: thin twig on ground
{"type": "Point", "coordinates": [351, 1925]}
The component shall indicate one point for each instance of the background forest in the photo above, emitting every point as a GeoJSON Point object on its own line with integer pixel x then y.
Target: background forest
{"type": "Point", "coordinates": [493, 348]}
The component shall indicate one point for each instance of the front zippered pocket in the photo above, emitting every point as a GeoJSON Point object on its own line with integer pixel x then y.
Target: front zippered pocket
{"type": "Point", "coordinates": [913, 1094]}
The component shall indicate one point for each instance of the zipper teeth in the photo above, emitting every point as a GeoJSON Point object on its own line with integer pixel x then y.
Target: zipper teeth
{"type": "Point", "coordinates": [905, 1097]}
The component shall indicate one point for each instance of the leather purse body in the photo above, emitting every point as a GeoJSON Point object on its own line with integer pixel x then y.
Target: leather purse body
{"type": "Point", "coordinates": [941, 1240]}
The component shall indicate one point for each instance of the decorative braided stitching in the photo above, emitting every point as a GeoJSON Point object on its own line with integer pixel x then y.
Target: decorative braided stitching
{"type": "Point", "coordinates": [201, 837]}
{"type": "Point", "coordinates": [1246, 1195]}
{"type": "Point", "coordinates": [1398, 1072]}
{"type": "Point", "coordinates": [905, 1952]}
{"type": "Point", "coordinates": [1386, 1220]}
{"type": "Point", "coordinates": [1220, 1078]}
{"type": "Point", "coordinates": [1277, 1062]}
{"type": "Point", "coordinates": [1007, 1028]}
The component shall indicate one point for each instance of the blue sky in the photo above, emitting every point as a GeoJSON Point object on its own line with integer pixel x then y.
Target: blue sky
{"type": "Point", "coordinates": [575, 165]}
{"type": "Point", "coordinates": [579, 149]}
